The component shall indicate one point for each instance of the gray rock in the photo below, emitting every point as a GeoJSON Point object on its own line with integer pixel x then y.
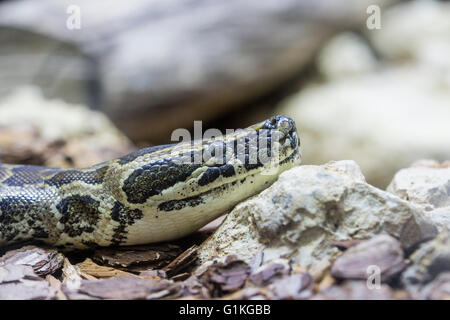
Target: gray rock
{"type": "Point", "coordinates": [440, 217]}
{"type": "Point", "coordinates": [382, 251]}
{"type": "Point", "coordinates": [423, 185]}
{"type": "Point", "coordinates": [143, 61]}
{"type": "Point", "coordinates": [431, 259]}
{"type": "Point", "coordinates": [438, 289]}
{"type": "Point", "coordinates": [428, 187]}
{"type": "Point", "coordinates": [401, 40]}
{"type": "Point", "coordinates": [307, 210]}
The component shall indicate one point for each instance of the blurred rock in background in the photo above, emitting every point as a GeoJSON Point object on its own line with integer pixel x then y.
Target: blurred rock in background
{"type": "Point", "coordinates": [154, 66]}
{"type": "Point", "coordinates": [382, 100]}
{"type": "Point", "coordinates": [34, 130]}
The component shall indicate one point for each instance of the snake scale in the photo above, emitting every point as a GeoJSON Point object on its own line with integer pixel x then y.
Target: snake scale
{"type": "Point", "coordinates": [151, 195]}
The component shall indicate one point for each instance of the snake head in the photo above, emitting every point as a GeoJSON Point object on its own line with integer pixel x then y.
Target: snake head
{"type": "Point", "coordinates": [286, 128]}
{"type": "Point", "coordinates": [281, 129]}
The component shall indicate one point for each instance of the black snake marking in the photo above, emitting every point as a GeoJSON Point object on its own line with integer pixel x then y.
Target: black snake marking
{"type": "Point", "coordinates": [151, 195]}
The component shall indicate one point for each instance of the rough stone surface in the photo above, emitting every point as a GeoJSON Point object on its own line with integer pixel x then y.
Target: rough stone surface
{"type": "Point", "coordinates": [438, 289]}
{"type": "Point", "coordinates": [428, 187]}
{"type": "Point", "coordinates": [307, 210]}
{"type": "Point", "coordinates": [421, 185]}
{"type": "Point", "coordinates": [177, 60]}
{"type": "Point", "coordinates": [431, 259]}
{"type": "Point", "coordinates": [382, 251]}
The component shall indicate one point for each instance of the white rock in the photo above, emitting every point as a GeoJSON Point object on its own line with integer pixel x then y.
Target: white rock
{"type": "Point", "coordinates": [56, 119]}
{"type": "Point", "coordinates": [307, 209]}
{"type": "Point", "coordinates": [415, 30]}
{"type": "Point", "coordinates": [427, 187]}
{"type": "Point", "coordinates": [440, 217]}
{"type": "Point", "coordinates": [346, 54]}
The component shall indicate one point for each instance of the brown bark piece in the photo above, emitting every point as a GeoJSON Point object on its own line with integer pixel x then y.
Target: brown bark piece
{"type": "Point", "coordinates": [19, 282]}
{"type": "Point", "coordinates": [182, 261]}
{"type": "Point", "coordinates": [269, 273]}
{"type": "Point", "coordinates": [295, 286]}
{"type": "Point", "coordinates": [121, 287]}
{"type": "Point", "coordinates": [137, 258]}
{"type": "Point", "coordinates": [382, 253]}
{"type": "Point", "coordinates": [56, 285]}
{"type": "Point", "coordinates": [43, 261]}
{"type": "Point", "coordinates": [226, 277]}
{"type": "Point", "coordinates": [94, 270]}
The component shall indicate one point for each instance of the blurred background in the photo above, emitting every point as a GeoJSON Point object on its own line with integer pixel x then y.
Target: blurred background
{"type": "Point", "coordinates": [85, 81]}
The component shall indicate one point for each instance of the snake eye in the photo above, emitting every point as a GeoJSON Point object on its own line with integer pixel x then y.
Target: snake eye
{"type": "Point", "coordinates": [285, 126]}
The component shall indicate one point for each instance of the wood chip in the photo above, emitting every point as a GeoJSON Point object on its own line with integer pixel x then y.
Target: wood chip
{"type": "Point", "coordinates": [295, 286]}
{"type": "Point", "coordinates": [182, 261]}
{"type": "Point", "coordinates": [20, 282]}
{"type": "Point", "coordinates": [94, 270]}
{"type": "Point", "coordinates": [137, 258]}
{"type": "Point", "coordinates": [355, 290]}
{"type": "Point", "coordinates": [43, 261]}
{"type": "Point", "coordinates": [226, 277]}
{"type": "Point", "coordinates": [122, 287]}
{"type": "Point", "coordinates": [193, 288]}
{"type": "Point", "coordinates": [70, 272]}
{"type": "Point", "coordinates": [270, 272]}
{"type": "Point", "coordinates": [56, 285]}
{"type": "Point", "coordinates": [382, 251]}
{"type": "Point", "coordinates": [345, 244]}
{"type": "Point", "coordinates": [326, 282]}
{"type": "Point", "coordinates": [181, 276]}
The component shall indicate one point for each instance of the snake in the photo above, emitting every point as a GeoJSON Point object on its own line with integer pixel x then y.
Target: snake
{"type": "Point", "coordinates": [155, 194]}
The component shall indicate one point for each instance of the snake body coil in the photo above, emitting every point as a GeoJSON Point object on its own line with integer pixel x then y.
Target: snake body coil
{"type": "Point", "coordinates": [151, 195]}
